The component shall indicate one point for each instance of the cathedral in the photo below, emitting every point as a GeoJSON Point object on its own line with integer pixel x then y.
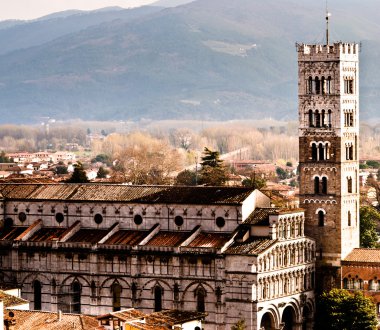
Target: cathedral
{"type": "Point", "coordinates": [226, 251]}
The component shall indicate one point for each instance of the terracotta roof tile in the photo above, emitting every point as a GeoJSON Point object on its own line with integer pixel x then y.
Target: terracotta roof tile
{"type": "Point", "coordinates": [168, 238]}
{"type": "Point", "coordinates": [260, 216]}
{"type": "Point", "coordinates": [119, 192]}
{"type": "Point", "coordinates": [253, 246]}
{"type": "Point", "coordinates": [10, 300]}
{"type": "Point", "coordinates": [127, 237]}
{"type": "Point", "coordinates": [364, 255]}
{"type": "Point", "coordinates": [38, 320]}
{"type": "Point", "coordinates": [214, 240]}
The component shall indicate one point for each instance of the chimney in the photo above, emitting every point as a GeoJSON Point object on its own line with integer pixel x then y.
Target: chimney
{"type": "Point", "coordinates": [59, 316]}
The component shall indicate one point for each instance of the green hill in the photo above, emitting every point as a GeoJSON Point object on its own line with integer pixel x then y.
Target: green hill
{"type": "Point", "coordinates": [209, 59]}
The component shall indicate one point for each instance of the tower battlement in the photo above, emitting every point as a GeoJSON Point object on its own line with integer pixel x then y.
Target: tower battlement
{"type": "Point", "coordinates": [338, 50]}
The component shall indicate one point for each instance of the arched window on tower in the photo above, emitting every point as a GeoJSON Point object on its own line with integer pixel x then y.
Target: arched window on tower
{"type": "Point", "coordinates": [311, 122]}
{"type": "Point", "coordinates": [310, 86]}
{"type": "Point", "coordinates": [37, 295]}
{"type": "Point", "coordinates": [323, 118]}
{"type": "Point", "coordinates": [321, 218]}
{"type": "Point", "coordinates": [323, 85]}
{"type": "Point", "coordinates": [321, 151]}
{"type": "Point", "coordinates": [317, 119]}
{"type": "Point", "coordinates": [349, 218]}
{"type": "Point", "coordinates": [314, 152]}
{"type": "Point", "coordinates": [324, 185]}
{"type": "Point", "coordinates": [158, 298]}
{"type": "Point", "coordinates": [329, 118]}
{"type": "Point", "coordinates": [328, 85]}
{"type": "Point", "coordinates": [317, 86]}
{"type": "Point", "coordinates": [116, 296]}
{"type": "Point", "coordinates": [349, 185]}
{"type": "Point", "coordinates": [316, 185]}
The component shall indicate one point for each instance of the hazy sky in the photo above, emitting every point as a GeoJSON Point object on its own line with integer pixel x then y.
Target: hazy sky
{"type": "Point", "coordinates": [29, 9]}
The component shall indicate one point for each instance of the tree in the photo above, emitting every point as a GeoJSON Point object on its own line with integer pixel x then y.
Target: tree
{"type": "Point", "coordinates": [368, 234]}
{"type": "Point", "coordinates": [211, 158]}
{"type": "Point", "coordinates": [255, 182]}
{"type": "Point", "coordinates": [79, 174]}
{"type": "Point", "coordinates": [4, 158]}
{"type": "Point", "coordinates": [186, 178]}
{"type": "Point", "coordinates": [341, 310]}
{"type": "Point", "coordinates": [281, 173]}
{"type": "Point", "coordinates": [213, 172]}
{"type": "Point", "coordinates": [102, 173]}
{"type": "Point", "coordinates": [61, 169]}
{"type": "Point", "coordinates": [239, 325]}
{"type": "Point", "coordinates": [144, 159]}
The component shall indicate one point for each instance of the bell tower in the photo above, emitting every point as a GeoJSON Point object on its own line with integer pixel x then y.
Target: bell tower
{"type": "Point", "coordinates": [328, 109]}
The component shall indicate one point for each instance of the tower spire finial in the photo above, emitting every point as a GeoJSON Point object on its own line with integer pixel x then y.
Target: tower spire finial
{"type": "Point", "coordinates": [327, 24]}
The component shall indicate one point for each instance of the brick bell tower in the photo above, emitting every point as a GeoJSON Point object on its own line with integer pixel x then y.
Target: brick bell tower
{"type": "Point", "coordinates": [328, 109]}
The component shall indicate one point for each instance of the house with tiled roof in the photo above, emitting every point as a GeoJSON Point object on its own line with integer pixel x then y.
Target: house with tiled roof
{"type": "Point", "coordinates": [101, 248]}
{"type": "Point", "coordinates": [41, 320]}
{"type": "Point", "coordinates": [132, 319]}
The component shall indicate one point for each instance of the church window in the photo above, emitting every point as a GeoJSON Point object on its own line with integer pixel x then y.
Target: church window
{"type": "Point", "coordinates": [178, 220]}
{"type": "Point", "coordinates": [201, 295]}
{"type": "Point", "coordinates": [98, 218]}
{"type": "Point", "coordinates": [220, 222]}
{"type": "Point", "coordinates": [22, 216]}
{"type": "Point", "coordinates": [59, 217]}
{"type": "Point", "coordinates": [324, 185]}
{"type": "Point", "coordinates": [314, 152]}
{"type": "Point", "coordinates": [321, 150]}
{"type": "Point", "coordinates": [76, 297]}
{"type": "Point", "coordinates": [37, 295]}
{"type": "Point", "coordinates": [310, 85]}
{"type": "Point", "coordinates": [137, 219]}
{"type": "Point", "coordinates": [134, 291]}
{"type": "Point", "coordinates": [157, 298]}
{"type": "Point", "coordinates": [311, 115]}
{"type": "Point", "coordinates": [53, 286]}
{"type": "Point", "coordinates": [317, 119]}
{"type": "Point", "coordinates": [116, 295]}
{"type": "Point", "coordinates": [93, 289]}
{"type": "Point", "coordinates": [321, 218]}
{"type": "Point", "coordinates": [329, 119]}
{"type": "Point", "coordinates": [323, 85]}
{"type": "Point", "coordinates": [345, 283]}
{"type": "Point", "coordinates": [323, 118]}
{"type": "Point", "coordinates": [349, 86]}
{"type": "Point", "coordinates": [176, 292]}
{"type": "Point", "coordinates": [316, 185]}
{"type": "Point", "coordinates": [349, 185]}
{"type": "Point", "coordinates": [349, 218]}
{"type": "Point", "coordinates": [317, 86]}
{"type": "Point", "coordinates": [328, 85]}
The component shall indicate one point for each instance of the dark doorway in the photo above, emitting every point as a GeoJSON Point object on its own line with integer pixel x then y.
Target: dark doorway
{"type": "Point", "coordinates": [288, 318]}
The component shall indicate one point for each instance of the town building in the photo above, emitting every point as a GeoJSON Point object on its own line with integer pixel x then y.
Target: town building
{"type": "Point", "coordinates": [97, 248]}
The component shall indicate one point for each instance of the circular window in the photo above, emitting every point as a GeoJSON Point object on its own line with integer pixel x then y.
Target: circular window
{"type": "Point", "coordinates": [22, 216]}
{"type": "Point", "coordinates": [220, 222]}
{"type": "Point", "coordinates": [138, 219]}
{"type": "Point", "coordinates": [98, 218]}
{"type": "Point", "coordinates": [59, 217]}
{"type": "Point", "coordinates": [178, 220]}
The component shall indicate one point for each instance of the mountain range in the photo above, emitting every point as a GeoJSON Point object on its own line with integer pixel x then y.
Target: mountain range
{"type": "Point", "coordinates": [205, 59]}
